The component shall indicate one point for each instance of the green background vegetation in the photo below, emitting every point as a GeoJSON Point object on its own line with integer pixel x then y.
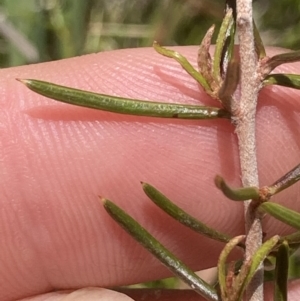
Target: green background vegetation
{"type": "Point", "coordinates": [43, 30]}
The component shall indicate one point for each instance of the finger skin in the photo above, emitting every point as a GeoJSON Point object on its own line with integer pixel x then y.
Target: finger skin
{"type": "Point", "coordinates": [87, 294]}
{"type": "Point", "coordinates": [136, 294]}
{"type": "Point", "coordinates": [56, 159]}
{"type": "Point", "coordinates": [149, 294]}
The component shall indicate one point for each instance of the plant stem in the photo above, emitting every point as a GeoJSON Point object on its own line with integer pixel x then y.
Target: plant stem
{"type": "Point", "coordinates": [244, 111]}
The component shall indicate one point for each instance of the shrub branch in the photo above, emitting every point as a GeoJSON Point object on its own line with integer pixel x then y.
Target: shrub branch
{"type": "Point", "coordinates": [244, 111]}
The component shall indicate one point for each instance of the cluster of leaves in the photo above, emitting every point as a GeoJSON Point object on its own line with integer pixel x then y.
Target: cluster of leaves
{"type": "Point", "coordinates": [219, 77]}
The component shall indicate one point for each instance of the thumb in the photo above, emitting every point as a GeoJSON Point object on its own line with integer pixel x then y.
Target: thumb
{"type": "Point", "coordinates": [56, 159]}
{"type": "Point", "coordinates": [86, 294]}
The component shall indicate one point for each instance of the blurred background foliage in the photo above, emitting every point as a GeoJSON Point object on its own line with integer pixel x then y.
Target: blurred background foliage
{"type": "Point", "coordinates": [43, 30]}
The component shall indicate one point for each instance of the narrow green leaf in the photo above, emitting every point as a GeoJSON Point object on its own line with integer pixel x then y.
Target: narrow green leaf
{"type": "Point", "coordinates": [240, 194]}
{"type": "Point", "coordinates": [281, 272]}
{"type": "Point", "coordinates": [287, 216]}
{"type": "Point", "coordinates": [222, 267]}
{"type": "Point", "coordinates": [259, 46]}
{"type": "Point", "coordinates": [285, 80]}
{"type": "Point", "coordinates": [230, 67]}
{"type": "Point", "coordinates": [224, 32]}
{"type": "Point", "coordinates": [279, 59]}
{"type": "Point", "coordinates": [229, 84]}
{"type": "Point", "coordinates": [181, 216]}
{"type": "Point", "coordinates": [256, 261]}
{"type": "Point", "coordinates": [159, 251]}
{"type": "Point", "coordinates": [184, 64]}
{"type": "Point", "coordinates": [122, 105]}
{"type": "Point", "coordinates": [290, 178]}
{"type": "Point", "coordinates": [228, 49]}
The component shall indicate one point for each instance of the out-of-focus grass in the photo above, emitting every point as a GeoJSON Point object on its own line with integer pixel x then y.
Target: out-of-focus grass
{"type": "Point", "coordinates": [35, 31]}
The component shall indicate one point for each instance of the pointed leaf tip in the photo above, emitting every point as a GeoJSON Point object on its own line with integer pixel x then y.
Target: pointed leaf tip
{"type": "Point", "coordinates": [23, 81]}
{"type": "Point", "coordinates": [181, 216]}
{"type": "Point", "coordinates": [101, 198]}
{"type": "Point", "coordinates": [141, 235]}
{"type": "Point", "coordinates": [224, 33]}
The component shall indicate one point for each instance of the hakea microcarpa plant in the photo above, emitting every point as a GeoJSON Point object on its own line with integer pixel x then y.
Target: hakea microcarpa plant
{"type": "Point", "coordinates": [219, 76]}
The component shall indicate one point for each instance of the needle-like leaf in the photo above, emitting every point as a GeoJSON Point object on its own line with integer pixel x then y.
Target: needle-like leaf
{"type": "Point", "coordinates": [286, 215]}
{"type": "Point", "coordinates": [285, 80]}
{"type": "Point", "coordinates": [123, 105]}
{"type": "Point", "coordinates": [281, 272]}
{"type": "Point", "coordinates": [290, 178]}
{"type": "Point", "coordinates": [224, 32]}
{"type": "Point", "coordinates": [228, 50]}
{"type": "Point", "coordinates": [159, 251]}
{"type": "Point", "coordinates": [184, 64]}
{"type": "Point", "coordinates": [229, 84]}
{"type": "Point", "coordinates": [256, 260]}
{"type": "Point", "coordinates": [181, 216]}
{"type": "Point", "coordinates": [240, 194]}
{"type": "Point", "coordinates": [222, 267]}
{"type": "Point", "coordinates": [279, 59]}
